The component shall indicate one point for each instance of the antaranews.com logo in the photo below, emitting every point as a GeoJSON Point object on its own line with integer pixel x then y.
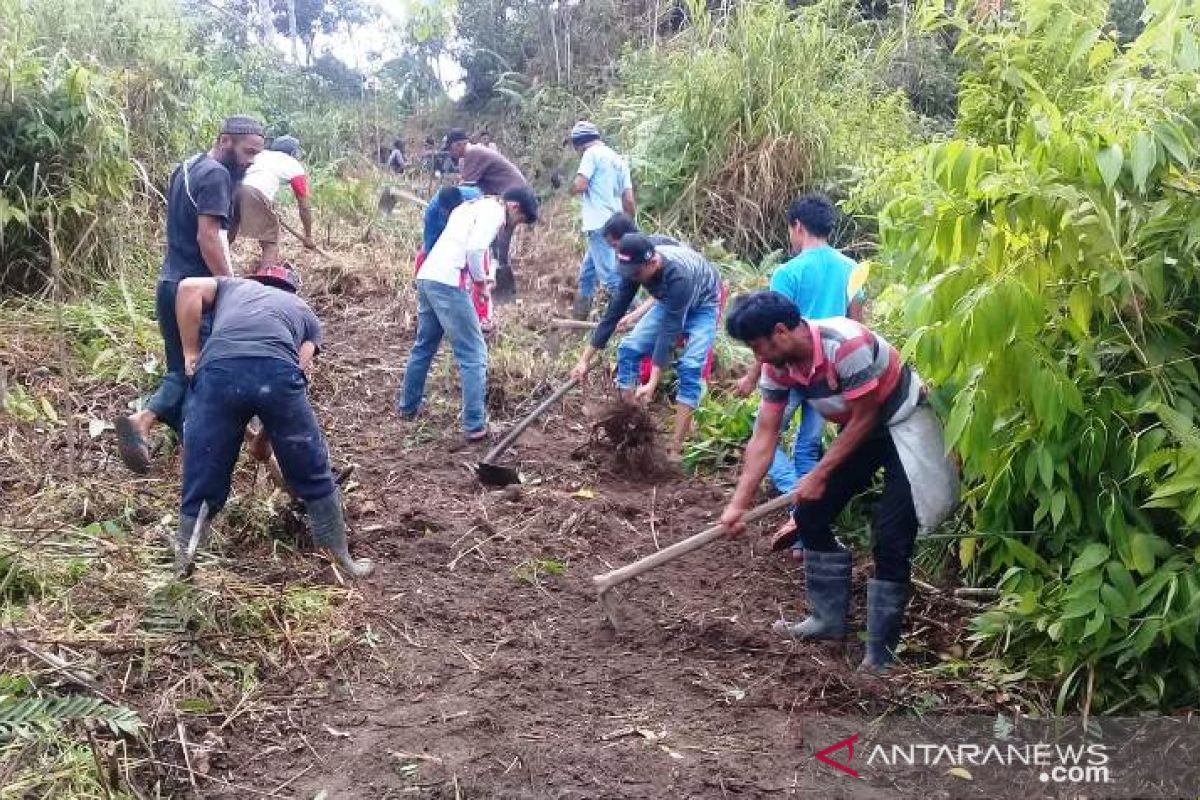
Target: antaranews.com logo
{"type": "Point", "coordinates": [1001, 757]}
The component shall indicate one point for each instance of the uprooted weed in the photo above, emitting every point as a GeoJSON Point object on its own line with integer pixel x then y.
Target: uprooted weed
{"type": "Point", "coordinates": [630, 436]}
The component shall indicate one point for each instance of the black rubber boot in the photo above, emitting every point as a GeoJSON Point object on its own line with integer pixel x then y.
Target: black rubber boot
{"type": "Point", "coordinates": [582, 307]}
{"type": "Point", "coordinates": [329, 533]}
{"type": "Point", "coordinates": [184, 566]}
{"type": "Point", "coordinates": [886, 601]}
{"type": "Point", "coordinates": [827, 582]}
{"type": "Point", "coordinates": [505, 290]}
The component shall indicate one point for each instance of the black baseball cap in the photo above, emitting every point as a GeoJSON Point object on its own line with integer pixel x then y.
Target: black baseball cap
{"type": "Point", "coordinates": [456, 135]}
{"type": "Point", "coordinates": [633, 251]}
{"type": "Point", "coordinates": [524, 197]}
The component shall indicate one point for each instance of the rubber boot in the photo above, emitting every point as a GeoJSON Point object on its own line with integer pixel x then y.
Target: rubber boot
{"type": "Point", "coordinates": [827, 582]}
{"type": "Point", "coordinates": [184, 566]}
{"type": "Point", "coordinates": [885, 617]}
{"type": "Point", "coordinates": [505, 290]}
{"type": "Point", "coordinates": [329, 533]}
{"type": "Point", "coordinates": [582, 307]}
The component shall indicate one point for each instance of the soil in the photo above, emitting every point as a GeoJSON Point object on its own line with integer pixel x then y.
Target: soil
{"type": "Point", "coordinates": [492, 670]}
{"type": "Point", "coordinates": [479, 663]}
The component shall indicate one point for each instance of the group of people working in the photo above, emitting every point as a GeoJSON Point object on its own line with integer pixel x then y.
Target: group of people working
{"type": "Point", "coordinates": [240, 348]}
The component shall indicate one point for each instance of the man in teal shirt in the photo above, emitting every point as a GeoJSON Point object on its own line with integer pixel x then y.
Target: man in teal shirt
{"type": "Point", "coordinates": [817, 279]}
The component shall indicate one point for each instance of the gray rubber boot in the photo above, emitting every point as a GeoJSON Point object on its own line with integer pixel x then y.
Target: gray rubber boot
{"type": "Point", "coordinates": [329, 533]}
{"type": "Point", "coordinates": [184, 566]}
{"type": "Point", "coordinates": [827, 582]}
{"type": "Point", "coordinates": [885, 617]}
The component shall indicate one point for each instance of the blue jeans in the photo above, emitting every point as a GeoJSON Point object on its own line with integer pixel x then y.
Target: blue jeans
{"type": "Point", "coordinates": [225, 394]}
{"type": "Point", "coordinates": [167, 402]}
{"type": "Point", "coordinates": [447, 310]}
{"type": "Point", "coordinates": [700, 327]}
{"type": "Point", "coordinates": [784, 472]}
{"type": "Point", "coordinates": [599, 266]}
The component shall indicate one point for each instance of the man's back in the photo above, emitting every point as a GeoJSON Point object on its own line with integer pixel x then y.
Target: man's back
{"type": "Point", "coordinates": [199, 186]}
{"type": "Point", "coordinates": [490, 171]}
{"type": "Point", "coordinates": [270, 170]}
{"type": "Point", "coordinates": [471, 226]}
{"type": "Point", "coordinates": [686, 277]}
{"type": "Point", "coordinates": [608, 177]}
{"type": "Point", "coordinates": [817, 280]}
{"type": "Point", "coordinates": [251, 320]}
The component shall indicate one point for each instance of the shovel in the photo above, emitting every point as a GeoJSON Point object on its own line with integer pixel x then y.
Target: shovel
{"type": "Point", "coordinates": [492, 474]}
{"type": "Point", "coordinates": [622, 574]}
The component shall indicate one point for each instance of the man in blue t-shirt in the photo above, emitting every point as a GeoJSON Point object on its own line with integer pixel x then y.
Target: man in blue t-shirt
{"type": "Point", "coordinates": [604, 188]}
{"type": "Point", "coordinates": [817, 280]}
{"type": "Point", "coordinates": [199, 210]}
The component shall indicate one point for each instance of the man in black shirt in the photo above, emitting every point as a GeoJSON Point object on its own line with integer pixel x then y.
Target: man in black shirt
{"type": "Point", "coordinates": [199, 208]}
{"type": "Point", "coordinates": [688, 290]}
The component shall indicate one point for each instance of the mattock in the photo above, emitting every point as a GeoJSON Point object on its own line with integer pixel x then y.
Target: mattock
{"type": "Point", "coordinates": [622, 574]}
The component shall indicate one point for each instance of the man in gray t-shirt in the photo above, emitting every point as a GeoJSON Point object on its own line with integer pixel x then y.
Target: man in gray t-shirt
{"type": "Point", "coordinates": [253, 364]}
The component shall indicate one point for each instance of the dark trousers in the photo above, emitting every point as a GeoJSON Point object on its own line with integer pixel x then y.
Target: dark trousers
{"type": "Point", "coordinates": [225, 395]}
{"type": "Point", "coordinates": [168, 400]}
{"type": "Point", "coordinates": [894, 526]}
{"type": "Point", "coordinates": [506, 283]}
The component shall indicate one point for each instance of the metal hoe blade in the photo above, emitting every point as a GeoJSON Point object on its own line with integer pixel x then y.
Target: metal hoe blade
{"type": "Point", "coordinates": [496, 474]}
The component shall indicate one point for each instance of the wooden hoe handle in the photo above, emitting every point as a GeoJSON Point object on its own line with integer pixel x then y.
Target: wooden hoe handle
{"type": "Point", "coordinates": [618, 576]}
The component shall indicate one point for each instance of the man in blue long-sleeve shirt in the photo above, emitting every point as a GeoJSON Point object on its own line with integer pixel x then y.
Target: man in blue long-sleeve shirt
{"type": "Point", "coordinates": [688, 290]}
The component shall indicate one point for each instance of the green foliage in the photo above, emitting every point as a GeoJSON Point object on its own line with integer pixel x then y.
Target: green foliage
{"type": "Point", "coordinates": [27, 716]}
{"type": "Point", "coordinates": [1054, 250]}
{"type": "Point", "coordinates": [721, 426]}
{"type": "Point", "coordinates": [739, 113]}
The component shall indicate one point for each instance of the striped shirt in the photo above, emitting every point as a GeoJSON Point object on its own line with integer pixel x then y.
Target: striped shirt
{"type": "Point", "coordinates": [849, 361]}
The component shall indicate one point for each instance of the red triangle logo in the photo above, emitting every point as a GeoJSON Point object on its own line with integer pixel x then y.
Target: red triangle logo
{"type": "Point", "coordinates": [848, 744]}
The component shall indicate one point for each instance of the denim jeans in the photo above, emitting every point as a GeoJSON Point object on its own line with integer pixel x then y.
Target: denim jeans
{"type": "Point", "coordinates": [784, 472]}
{"type": "Point", "coordinates": [700, 327]}
{"type": "Point", "coordinates": [225, 394]}
{"type": "Point", "coordinates": [599, 266]}
{"type": "Point", "coordinates": [894, 525]}
{"type": "Point", "coordinates": [447, 310]}
{"type": "Point", "coordinates": [167, 402]}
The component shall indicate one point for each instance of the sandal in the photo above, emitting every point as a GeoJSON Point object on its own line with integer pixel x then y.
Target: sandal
{"type": "Point", "coordinates": [785, 536]}
{"type": "Point", "coordinates": [132, 446]}
{"type": "Point", "coordinates": [481, 435]}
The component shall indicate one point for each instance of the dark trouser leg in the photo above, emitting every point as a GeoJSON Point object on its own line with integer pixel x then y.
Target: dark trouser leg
{"type": "Point", "coordinates": [292, 427]}
{"type": "Point", "coordinates": [167, 401]}
{"type": "Point", "coordinates": [212, 439]}
{"type": "Point", "coordinates": [894, 530]}
{"type": "Point", "coordinates": [815, 519]}
{"type": "Point", "coordinates": [506, 282]}
{"type": "Point", "coordinates": [289, 420]}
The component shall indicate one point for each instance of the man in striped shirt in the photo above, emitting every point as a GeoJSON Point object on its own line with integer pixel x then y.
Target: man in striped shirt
{"type": "Point", "coordinates": [853, 377]}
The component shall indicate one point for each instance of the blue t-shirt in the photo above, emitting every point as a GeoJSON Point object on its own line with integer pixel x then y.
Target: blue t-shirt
{"type": "Point", "coordinates": [437, 215]}
{"type": "Point", "coordinates": [208, 190]}
{"type": "Point", "coordinates": [816, 280]}
{"type": "Point", "coordinates": [608, 178]}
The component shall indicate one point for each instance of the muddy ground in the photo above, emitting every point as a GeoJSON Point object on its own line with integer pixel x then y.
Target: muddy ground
{"type": "Point", "coordinates": [478, 663]}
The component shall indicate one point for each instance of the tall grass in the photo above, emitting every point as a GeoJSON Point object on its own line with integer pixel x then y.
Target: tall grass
{"type": "Point", "coordinates": [740, 112]}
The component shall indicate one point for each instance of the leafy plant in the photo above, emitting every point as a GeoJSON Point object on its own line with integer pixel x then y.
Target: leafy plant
{"type": "Point", "coordinates": [1053, 252]}
{"type": "Point", "coordinates": [26, 716]}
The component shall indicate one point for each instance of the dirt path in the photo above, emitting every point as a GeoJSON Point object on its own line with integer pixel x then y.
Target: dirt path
{"type": "Point", "coordinates": [483, 666]}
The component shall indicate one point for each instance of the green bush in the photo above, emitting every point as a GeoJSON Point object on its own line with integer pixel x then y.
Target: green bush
{"type": "Point", "coordinates": [735, 116]}
{"type": "Point", "coordinates": [1054, 251]}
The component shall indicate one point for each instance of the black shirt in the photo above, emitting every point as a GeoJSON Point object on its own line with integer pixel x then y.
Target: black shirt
{"type": "Point", "coordinates": [207, 190]}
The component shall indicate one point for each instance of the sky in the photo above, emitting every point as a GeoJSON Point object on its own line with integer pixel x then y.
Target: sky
{"type": "Point", "coordinates": [380, 37]}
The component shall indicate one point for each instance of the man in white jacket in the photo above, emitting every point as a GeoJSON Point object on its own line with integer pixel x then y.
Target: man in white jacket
{"type": "Point", "coordinates": [444, 305]}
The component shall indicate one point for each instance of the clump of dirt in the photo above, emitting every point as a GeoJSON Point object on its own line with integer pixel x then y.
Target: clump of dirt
{"type": "Point", "coordinates": [630, 435]}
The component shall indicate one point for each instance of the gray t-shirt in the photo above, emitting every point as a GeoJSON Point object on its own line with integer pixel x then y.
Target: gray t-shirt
{"type": "Point", "coordinates": [251, 320]}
